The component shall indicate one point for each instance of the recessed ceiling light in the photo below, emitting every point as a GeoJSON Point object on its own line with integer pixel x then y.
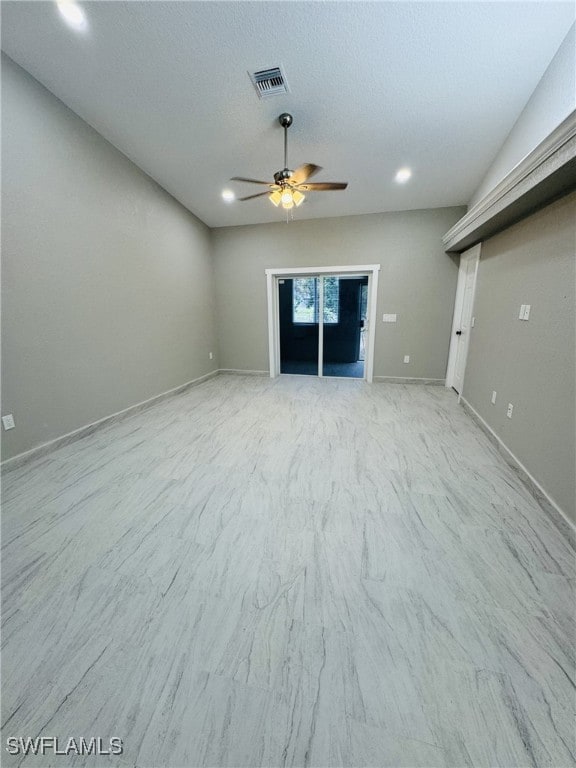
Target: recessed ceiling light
{"type": "Point", "coordinates": [228, 195]}
{"type": "Point", "coordinates": [73, 14]}
{"type": "Point", "coordinates": [403, 175]}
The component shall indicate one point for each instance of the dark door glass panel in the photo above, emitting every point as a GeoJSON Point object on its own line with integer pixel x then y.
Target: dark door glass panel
{"type": "Point", "coordinates": [298, 302]}
{"type": "Point", "coordinates": [344, 319]}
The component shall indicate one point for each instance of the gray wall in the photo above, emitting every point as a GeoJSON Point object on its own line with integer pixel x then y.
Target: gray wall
{"type": "Point", "coordinates": [107, 280]}
{"type": "Point", "coordinates": [417, 281]}
{"type": "Point", "coordinates": [554, 98]}
{"type": "Point", "coordinates": [530, 364]}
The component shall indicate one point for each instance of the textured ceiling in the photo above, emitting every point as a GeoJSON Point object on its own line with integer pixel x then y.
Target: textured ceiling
{"type": "Point", "coordinates": [373, 86]}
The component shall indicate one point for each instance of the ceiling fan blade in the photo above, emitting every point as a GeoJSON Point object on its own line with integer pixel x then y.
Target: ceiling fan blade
{"type": "Point", "coordinates": [304, 172]}
{"type": "Point", "coordinates": [251, 181]}
{"type": "Point", "coordinates": [251, 197]}
{"type": "Point", "coordinates": [322, 186]}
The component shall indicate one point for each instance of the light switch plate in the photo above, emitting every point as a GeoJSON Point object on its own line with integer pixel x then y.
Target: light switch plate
{"type": "Point", "coordinates": [522, 310]}
{"type": "Point", "coordinates": [388, 318]}
{"type": "Point", "coordinates": [8, 421]}
{"type": "Point", "coordinates": [526, 311]}
{"type": "Point", "coordinates": [493, 400]}
{"type": "Point", "coordinates": [406, 358]}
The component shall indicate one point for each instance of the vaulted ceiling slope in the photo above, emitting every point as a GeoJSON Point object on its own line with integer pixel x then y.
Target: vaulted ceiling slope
{"type": "Point", "coordinates": [374, 86]}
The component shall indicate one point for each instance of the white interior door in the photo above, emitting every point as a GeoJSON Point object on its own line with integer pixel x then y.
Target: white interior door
{"type": "Point", "coordinates": [463, 315]}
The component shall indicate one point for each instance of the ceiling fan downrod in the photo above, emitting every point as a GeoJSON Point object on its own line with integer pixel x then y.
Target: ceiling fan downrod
{"type": "Point", "coordinates": [285, 121]}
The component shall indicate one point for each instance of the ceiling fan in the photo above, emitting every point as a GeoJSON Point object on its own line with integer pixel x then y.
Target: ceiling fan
{"type": "Point", "coordinates": [289, 186]}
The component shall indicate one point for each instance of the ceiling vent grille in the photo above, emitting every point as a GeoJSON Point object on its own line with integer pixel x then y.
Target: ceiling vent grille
{"type": "Point", "coordinates": [269, 82]}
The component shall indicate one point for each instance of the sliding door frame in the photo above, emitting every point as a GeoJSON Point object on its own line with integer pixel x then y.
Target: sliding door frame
{"type": "Point", "coordinates": [276, 273]}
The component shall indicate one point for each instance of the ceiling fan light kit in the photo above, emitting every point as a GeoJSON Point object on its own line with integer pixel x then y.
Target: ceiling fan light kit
{"type": "Point", "coordinates": [289, 186]}
{"type": "Point", "coordinates": [275, 197]}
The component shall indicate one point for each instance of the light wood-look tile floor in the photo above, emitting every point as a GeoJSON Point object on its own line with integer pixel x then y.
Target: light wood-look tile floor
{"type": "Point", "coordinates": [297, 572]}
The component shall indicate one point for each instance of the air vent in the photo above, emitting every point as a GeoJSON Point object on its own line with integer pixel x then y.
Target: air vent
{"type": "Point", "coordinates": [269, 82]}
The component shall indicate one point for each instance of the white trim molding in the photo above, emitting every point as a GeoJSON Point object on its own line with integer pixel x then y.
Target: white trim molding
{"type": "Point", "coordinates": [543, 175]}
{"type": "Point", "coordinates": [409, 380]}
{"type": "Point", "coordinates": [351, 269]}
{"type": "Point", "coordinates": [272, 275]}
{"type": "Point", "coordinates": [70, 437]}
{"type": "Point", "coordinates": [242, 372]}
{"type": "Point", "coordinates": [548, 504]}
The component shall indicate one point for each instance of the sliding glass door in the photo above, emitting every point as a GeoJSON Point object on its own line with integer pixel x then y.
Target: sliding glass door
{"type": "Point", "coordinates": [343, 326]}
{"type": "Point", "coordinates": [321, 323]}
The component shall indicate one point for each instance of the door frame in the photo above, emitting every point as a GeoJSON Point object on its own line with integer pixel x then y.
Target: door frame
{"type": "Point", "coordinates": [457, 316]}
{"type": "Point", "coordinates": [276, 273]}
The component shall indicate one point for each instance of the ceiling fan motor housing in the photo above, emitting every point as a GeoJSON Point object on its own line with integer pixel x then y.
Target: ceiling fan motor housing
{"type": "Point", "coordinates": [283, 175]}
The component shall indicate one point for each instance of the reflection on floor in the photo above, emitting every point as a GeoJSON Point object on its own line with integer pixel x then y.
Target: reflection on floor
{"type": "Point", "coordinates": [287, 572]}
{"type": "Point", "coordinates": [310, 368]}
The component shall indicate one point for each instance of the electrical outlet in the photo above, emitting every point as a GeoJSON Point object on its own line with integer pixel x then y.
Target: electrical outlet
{"type": "Point", "coordinates": [509, 411]}
{"type": "Point", "coordinates": [389, 318]}
{"type": "Point", "coordinates": [211, 355]}
{"type": "Point", "coordinates": [8, 421]}
{"type": "Point", "coordinates": [493, 397]}
{"type": "Point", "coordinates": [406, 358]}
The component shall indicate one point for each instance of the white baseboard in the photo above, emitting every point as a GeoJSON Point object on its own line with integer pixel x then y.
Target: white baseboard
{"type": "Point", "coordinates": [242, 372]}
{"type": "Point", "coordinates": [409, 380]}
{"type": "Point", "coordinates": [88, 429]}
{"type": "Point", "coordinates": [539, 493]}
